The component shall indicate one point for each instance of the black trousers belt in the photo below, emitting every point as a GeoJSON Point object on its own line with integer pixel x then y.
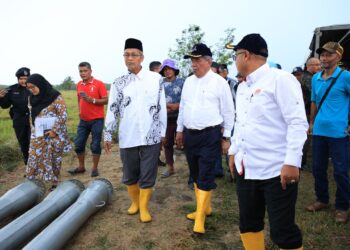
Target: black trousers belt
{"type": "Point", "coordinates": [199, 131]}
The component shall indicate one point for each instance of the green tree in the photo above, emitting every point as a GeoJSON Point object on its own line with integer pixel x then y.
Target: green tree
{"type": "Point", "coordinates": [189, 37]}
{"type": "Point", "coordinates": [67, 84]}
{"type": "Point", "coordinates": [220, 53]}
{"type": "Point", "coordinates": [193, 35]}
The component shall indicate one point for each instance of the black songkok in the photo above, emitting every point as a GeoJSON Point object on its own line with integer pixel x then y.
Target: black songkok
{"type": "Point", "coordinates": [132, 43]}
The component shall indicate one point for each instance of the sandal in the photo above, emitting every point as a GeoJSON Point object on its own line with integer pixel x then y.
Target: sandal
{"type": "Point", "coordinates": [94, 173]}
{"type": "Point", "coordinates": [76, 171]}
{"type": "Point", "coordinates": [167, 174]}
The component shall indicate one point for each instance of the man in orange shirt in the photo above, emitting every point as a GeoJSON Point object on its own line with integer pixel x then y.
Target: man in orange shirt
{"type": "Point", "coordinates": [92, 96]}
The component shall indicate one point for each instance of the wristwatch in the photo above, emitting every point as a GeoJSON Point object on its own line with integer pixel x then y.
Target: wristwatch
{"type": "Point", "coordinates": [94, 101]}
{"type": "Point", "coordinates": [227, 139]}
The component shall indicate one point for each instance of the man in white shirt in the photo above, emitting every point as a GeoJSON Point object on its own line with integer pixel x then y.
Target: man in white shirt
{"type": "Point", "coordinates": [266, 147]}
{"type": "Point", "coordinates": [206, 109]}
{"type": "Point", "coordinates": [137, 102]}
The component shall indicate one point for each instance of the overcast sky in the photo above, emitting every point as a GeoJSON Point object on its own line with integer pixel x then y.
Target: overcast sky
{"type": "Point", "coordinates": [52, 37]}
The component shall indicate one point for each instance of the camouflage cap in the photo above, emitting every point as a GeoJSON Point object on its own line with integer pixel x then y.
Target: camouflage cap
{"type": "Point", "coordinates": [332, 47]}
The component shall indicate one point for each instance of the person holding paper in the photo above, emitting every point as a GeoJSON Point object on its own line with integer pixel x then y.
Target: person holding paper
{"type": "Point", "coordinates": [49, 136]}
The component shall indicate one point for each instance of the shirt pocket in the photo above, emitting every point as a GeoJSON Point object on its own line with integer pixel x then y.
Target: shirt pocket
{"type": "Point", "coordinates": [256, 110]}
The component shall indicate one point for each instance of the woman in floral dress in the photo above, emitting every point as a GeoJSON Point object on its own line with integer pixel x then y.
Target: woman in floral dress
{"type": "Point", "coordinates": [47, 142]}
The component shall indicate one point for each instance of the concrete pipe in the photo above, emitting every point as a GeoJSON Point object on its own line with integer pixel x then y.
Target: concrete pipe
{"type": "Point", "coordinates": [94, 197]}
{"type": "Point", "coordinates": [33, 221]}
{"type": "Point", "coordinates": [21, 198]}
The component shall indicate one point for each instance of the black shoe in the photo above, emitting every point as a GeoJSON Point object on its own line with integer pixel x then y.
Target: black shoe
{"type": "Point", "coordinates": [76, 171]}
{"type": "Point", "coordinates": [94, 173]}
{"type": "Point", "coordinates": [160, 163]}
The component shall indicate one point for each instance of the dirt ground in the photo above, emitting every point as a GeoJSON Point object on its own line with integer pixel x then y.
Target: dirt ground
{"type": "Point", "coordinates": [113, 228]}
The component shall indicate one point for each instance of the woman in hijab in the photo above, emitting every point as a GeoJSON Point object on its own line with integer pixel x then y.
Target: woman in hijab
{"type": "Point", "coordinates": [49, 137]}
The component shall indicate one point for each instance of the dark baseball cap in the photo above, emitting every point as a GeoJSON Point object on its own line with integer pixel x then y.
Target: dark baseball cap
{"type": "Point", "coordinates": [297, 70]}
{"type": "Point", "coordinates": [332, 47]}
{"type": "Point", "coordinates": [198, 50]}
{"type": "Point", "coordinates": [254, 43]}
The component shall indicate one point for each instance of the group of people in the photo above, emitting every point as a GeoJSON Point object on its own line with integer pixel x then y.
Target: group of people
{"type": "Point", "coordinates": [39, 116]}
{"type": "Point", "coordinates": [267, 111]}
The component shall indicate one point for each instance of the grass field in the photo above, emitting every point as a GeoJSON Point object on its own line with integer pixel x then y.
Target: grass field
{"type": "Point", "coordinates": [319, 229]}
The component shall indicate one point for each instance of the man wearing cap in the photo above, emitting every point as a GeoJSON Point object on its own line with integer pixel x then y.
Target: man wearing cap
{"type": "Point", "coordinates": [172, 87]}
{"type": "Point", "coordinates": [137, 103]}
{"type": "Point", "coordinates": [298, 73]}
{"type": "Point", "coordinates": [16, 97]}
{"type": "Point", "coordinates": [328, 125]}
{"type": "Point", "coordinates": [266, 147]}
{"type": "Point", "coordinates": [206, 108]}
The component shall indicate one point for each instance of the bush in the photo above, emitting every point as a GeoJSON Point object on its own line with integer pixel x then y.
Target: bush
{"type": "Point", "coordinates": [10, 155]}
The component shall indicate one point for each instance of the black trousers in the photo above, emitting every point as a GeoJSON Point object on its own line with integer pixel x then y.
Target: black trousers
{"type": "Point", "coordinates": [23, 138]}
{"type": "Point", "coordinates": [202, 148]}
{"type": "Point", "coordinates": [254, 196]}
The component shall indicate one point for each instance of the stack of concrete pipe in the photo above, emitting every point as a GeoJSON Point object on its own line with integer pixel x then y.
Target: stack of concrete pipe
{"type": "Point", "coordinates": [62, 212]}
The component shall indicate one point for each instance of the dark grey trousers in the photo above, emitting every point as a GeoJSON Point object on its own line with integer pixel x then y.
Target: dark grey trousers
{"type": "Point", "coordinates": [140, 165]}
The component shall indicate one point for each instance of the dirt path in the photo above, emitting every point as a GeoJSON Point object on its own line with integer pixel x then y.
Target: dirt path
{"type": "Point", "coordinates": [112, 228]}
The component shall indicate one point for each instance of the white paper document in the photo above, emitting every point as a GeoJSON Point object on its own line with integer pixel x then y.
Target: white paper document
{"type": "Point", "coordinates": [43, 124]}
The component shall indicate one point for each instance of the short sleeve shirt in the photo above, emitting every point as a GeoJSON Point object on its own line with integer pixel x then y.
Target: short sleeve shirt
{"type": "Point", "coordinates": [332, 118]}
{"type": "Point", "coordinates": [173, 90]}
{"type": "Point", "coordinates": [95, 89]}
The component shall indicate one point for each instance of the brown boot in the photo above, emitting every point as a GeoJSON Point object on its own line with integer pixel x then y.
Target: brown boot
{"type": "Point", "coordinates": [341, 216]}
{"type": "Point", "coordinates": [316, 206]}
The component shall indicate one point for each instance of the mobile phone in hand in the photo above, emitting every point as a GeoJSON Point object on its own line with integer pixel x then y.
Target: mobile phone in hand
{"type": "Point", "coordinates": [82, 94]}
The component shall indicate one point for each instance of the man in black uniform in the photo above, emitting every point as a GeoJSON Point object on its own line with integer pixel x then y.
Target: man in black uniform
{"type": "Point", "coordinates": [15, 97]}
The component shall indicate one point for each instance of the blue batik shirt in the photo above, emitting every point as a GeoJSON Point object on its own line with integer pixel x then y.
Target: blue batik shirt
{"type": "Point", "coordinates": [173, 93]}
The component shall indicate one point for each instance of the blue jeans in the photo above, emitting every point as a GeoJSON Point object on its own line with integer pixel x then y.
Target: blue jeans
{"type": "Point", "coordinates": [338, 149]}
{"type": "Point", "coordinates": [94, 127]}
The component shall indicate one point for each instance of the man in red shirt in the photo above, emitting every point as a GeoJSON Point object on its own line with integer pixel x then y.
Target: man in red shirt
{"type": "Point", "coordinates": [92, 96]}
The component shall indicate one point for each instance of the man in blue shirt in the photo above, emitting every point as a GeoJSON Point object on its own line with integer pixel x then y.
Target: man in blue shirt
{"type": "Point", "coordinates": [328, 125]}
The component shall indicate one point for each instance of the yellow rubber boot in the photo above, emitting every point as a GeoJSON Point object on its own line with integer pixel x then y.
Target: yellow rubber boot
{"type": "Point", "coordinates": [145, 196]}
{"type": "Point", "coordinates": [202, 202]}
{"type": "Point", "coordinates": [253, 240]}
{"type": "Point", "coordinates": [208, 211]}
{"type": "Point", "coordinates": [134, 193]}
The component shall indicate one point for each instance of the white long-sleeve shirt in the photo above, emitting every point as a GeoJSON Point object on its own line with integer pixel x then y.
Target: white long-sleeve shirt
{"type": "Point", "coordinates": [271, 125]}
{"type": "Point", "coordinates": [206, 102]}
{"type": "Point", "coordinates": [138, 102]}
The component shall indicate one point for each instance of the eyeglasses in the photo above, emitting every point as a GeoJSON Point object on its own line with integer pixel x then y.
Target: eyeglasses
{"type": "Point", "coordinates": [126, 55]}
{"type": "Point", "coordinates": [234, 56]}
{"type": "Point", "coordinates": [315, 64]}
